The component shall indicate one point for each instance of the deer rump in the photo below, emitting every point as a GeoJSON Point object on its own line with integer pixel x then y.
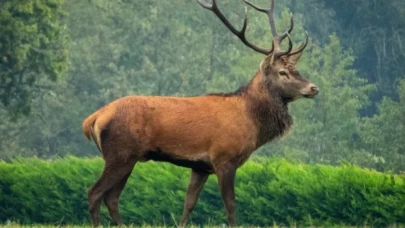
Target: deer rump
{"type": "Point", "coordinates": [182, 131]}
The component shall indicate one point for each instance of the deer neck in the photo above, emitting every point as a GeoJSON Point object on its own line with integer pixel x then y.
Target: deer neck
{"type": "Point", "coordinates": [268, 109]}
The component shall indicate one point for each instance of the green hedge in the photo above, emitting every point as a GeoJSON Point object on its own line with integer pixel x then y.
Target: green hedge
{"type": "Point", "coordinates": [268, 192]}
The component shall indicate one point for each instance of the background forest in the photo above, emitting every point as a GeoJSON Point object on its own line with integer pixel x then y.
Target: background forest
{"type": "Point", "coordinates": [62, 60]}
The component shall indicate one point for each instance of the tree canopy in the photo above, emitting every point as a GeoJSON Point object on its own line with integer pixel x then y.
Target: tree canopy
{"type": "Point", "coordinates": [33, 50]}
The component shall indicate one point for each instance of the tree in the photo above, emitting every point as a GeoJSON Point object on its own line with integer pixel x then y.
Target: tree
{"type": "Point", "coordinates": [33, 45]}
{"type": "Point", "coordinates": [374, 30]}
{"type": "Point", "coordinates": [384, 133]}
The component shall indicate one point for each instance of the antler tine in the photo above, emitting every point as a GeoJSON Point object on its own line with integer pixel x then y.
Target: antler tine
{"type": "Point", "coordinates": [257, 8]}
{"type": "Point", "coordinates": [240, 34]}
{"type": "Point", "coordinates": [302, 47]}
{"type": "Point", "coordinates": [281, 53]}
{"type": "Point", "coordinates": [271, 20]}
{"type": "Point", "coordinates": [270, 14]}
{"type": "Point", "coordinates": [206, 5]}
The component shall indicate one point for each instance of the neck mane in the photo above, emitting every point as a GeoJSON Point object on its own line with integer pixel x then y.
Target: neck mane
{"type": "Point", "coordinates": [265, 106]}
{"type": "Point", "coordinates": [268, 108]}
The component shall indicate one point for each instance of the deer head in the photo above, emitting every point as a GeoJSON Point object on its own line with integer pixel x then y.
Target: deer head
{"type": "Point", "coordinates": [278, 69]}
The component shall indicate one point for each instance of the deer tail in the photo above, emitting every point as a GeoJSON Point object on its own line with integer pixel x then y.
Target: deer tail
{"type": "Point", "coordinates": [88, 128]}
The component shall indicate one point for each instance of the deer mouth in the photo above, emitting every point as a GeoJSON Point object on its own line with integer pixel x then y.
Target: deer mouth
{"type": "Point", "coordinates": [309, 95]}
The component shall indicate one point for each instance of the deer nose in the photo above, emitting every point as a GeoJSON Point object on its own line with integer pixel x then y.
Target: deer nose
{"type": "Point", "coordinates": [315, 89]}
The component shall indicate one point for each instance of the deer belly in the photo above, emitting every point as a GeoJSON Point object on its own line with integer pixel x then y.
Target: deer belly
{"type": "Point", "coordinates": [200, 165]}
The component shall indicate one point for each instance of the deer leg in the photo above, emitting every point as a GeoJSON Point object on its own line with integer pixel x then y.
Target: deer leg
{"type": "Point", "coordinates": [113, 173]}
{"type": "Point", "coordinates": [226, 181]}
{"type": "Point", "coordinates": [197, 182]}
{"type": "Point", "coordinates": [111, 199]}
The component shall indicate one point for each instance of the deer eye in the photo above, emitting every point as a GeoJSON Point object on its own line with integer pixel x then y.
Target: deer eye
{"type": "Point", "coordinates": [283, 73]}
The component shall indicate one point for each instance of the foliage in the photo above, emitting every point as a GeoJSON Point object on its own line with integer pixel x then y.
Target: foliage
{"type": "Point", "coordinates": [387, 141]}
{"type": "Point", "coordinates": [268, 192]}
{"type": "Point", "coordinates": [33, 46]}
{"type": "Point", "coordinates": [374, 30]}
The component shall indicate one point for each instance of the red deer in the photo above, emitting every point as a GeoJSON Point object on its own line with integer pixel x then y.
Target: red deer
{"type": "Point", "coordinates": [210, 134]}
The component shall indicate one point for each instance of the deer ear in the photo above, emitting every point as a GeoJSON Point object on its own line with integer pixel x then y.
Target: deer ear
{"type": "Point", "coordinates": [266, 64]}
{"type": "Point", "coordinates": [293, 59]}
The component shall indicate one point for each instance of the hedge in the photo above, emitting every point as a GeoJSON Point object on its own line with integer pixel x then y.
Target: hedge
{"type": "Point", "coordinates": [268, 192]}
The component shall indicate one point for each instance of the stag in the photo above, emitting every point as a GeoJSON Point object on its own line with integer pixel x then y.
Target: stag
{"type": "Point", "coordinates": [210, 134]}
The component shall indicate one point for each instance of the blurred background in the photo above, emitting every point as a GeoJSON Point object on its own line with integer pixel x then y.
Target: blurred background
{"type": "Point", "coordinates": [62, 60]}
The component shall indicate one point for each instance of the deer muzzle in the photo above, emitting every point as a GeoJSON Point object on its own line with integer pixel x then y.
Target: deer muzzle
{"type": "Point", "coordinates": [310, 91]}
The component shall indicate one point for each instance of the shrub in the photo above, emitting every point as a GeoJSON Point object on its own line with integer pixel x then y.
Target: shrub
{"type": "Point", "coordinates": [267, 192]}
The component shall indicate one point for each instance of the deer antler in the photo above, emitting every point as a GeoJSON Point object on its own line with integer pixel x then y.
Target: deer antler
{"type": "Point", "coordinates": [302, 47]}
{"type": "Point", "coordinates": [276, 38]}
{"type": "Point", "coordinates": [240, 34]}
{"type": "Point", "coordinates": [279, 38]}
{"type": "Point", "coordinates": [270, 14]}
